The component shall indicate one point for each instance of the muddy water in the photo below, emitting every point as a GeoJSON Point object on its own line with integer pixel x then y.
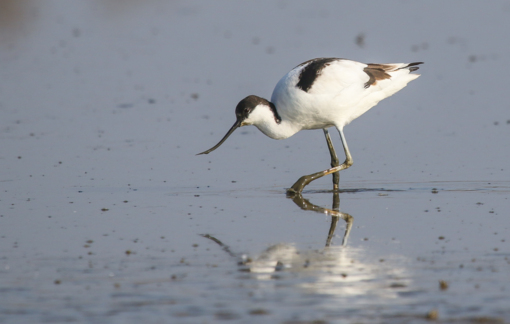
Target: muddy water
{"type": "Point", "coordinates": [107, 215]}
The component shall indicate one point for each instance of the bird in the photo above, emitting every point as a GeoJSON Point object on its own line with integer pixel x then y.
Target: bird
{"type": "Point", "coordinates": [319, 94]}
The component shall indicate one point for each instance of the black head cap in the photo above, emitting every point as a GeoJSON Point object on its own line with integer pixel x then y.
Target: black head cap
{"type": "Point", "coordinates": [246, 106]}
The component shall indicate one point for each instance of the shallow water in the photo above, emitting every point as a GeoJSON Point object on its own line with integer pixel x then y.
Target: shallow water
{"type": "Point", "coordinates": [254, 255]}
{"type": "Point", "coordinates": [107, 215]}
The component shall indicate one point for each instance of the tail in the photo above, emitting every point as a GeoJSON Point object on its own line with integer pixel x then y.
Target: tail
{"type": "Point", "coordinates": [380, 72]}
{"type": "Point", "coordinates": [411, 66]}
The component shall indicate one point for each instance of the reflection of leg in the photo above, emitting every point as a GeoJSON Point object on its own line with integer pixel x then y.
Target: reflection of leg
{"type": "Point", "coordinates": [334, 219]}
{"type": "Point", "coordinates": [335, 215]}
{"type": "Point", "coordinates": [348, 220]}
{"type": "Point", "coordinates": [306, 179]}
{"type": "Point", "coordinates": [348, 225]}
{"type": "Point", "coordinates": [306, 205]}
{"type": "Point", "coordinates": [334, 159]}
{"type": "Point", "coordinates": [332, 227]}
{"type": "Point", "coordinates": [336, 201]}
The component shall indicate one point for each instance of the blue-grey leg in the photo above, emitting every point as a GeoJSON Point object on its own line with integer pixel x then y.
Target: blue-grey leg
{"type": "Point", "coordinates": [305, 180]}
{"type": "Point", "coordinates": [334, 159]}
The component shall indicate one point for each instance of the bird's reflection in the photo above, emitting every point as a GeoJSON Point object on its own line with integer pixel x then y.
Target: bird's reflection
{"type": "Point", "coordinates": [338, 271]}
{"type": "Point", "coordinates": [280, 256]}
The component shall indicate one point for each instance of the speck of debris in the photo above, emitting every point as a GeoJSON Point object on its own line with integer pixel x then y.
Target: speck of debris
{"type": "Point", "coordinates": [226, 315]}
{"type": "Point", "coordinates": [441, 237]}
{"type": "Point", "coordinates": [194, 96]}
{"type": "Point", "coordinates": [432, 315]}
{"type": "Point", "coordinates": [270, 50]}
{"type": "Point", "coordinates": [57, 282]}
{"type": "Point", "coordinates": [258, 311]}
{"type": "Point", "coordinates": [128, 252]}
{"type": "Point", "coordinates": [443, 285]}
{"type": "Point", "coordinates": [397, 285]}
{"type": "Point", "coordinates": [360, 40]}
{"type": "Point", "coordinates": [104, 209]}
{"type": "Point", "coordinates": [434, 190]}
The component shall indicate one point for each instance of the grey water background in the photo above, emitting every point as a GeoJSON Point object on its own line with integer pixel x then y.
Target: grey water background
{"type": "Point", "coordinates": [104, 104]}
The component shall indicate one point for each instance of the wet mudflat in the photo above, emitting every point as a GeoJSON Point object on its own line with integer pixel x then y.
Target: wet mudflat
{"type": "Point", "coordinates": [107, 215]}
{"type": "Point", "coordinates": [254, 255]}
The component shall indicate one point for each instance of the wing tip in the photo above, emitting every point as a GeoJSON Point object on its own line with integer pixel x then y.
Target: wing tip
{"type": "Point", "coordinates": [412, 66]}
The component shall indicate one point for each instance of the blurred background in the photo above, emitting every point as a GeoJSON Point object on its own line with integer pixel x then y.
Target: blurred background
{"type": "Point", "coordinates": [169, 74]}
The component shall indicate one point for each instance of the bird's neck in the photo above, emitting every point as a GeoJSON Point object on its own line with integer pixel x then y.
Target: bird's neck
{"type": "Point", "coordinates": [271, 124]}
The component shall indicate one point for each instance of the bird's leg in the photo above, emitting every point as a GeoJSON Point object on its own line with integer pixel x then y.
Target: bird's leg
{"type": "Point", "coordinates": [334, 159]}
{"type": "Point", "coordinates": [306, 179]}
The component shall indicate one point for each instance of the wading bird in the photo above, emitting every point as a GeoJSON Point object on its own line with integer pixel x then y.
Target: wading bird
{"type": "Point", "coordinates": [322, 93]}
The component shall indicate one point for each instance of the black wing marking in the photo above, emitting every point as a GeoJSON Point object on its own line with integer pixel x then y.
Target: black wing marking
{"type": "Point", "coordinates": [311, 71]}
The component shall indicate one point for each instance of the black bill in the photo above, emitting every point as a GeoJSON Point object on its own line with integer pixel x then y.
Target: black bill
{"type": "Point", "coordinates": [232, 129]}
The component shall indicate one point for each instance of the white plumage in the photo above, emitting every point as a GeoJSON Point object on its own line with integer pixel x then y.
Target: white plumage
{"type": "Point", "coordinates": [319, 94]}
